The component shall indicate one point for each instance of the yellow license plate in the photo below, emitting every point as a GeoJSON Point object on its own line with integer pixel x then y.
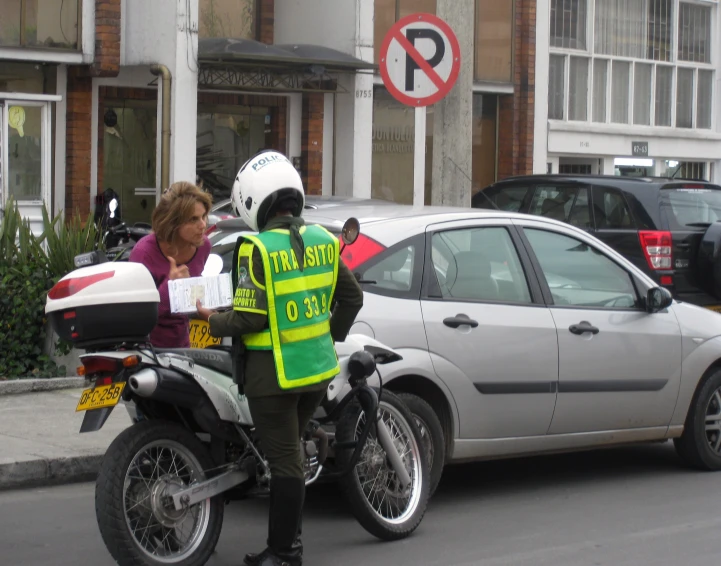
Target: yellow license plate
{"type": "Point", "coordinates": [200, 336]}
{"type": "Point", "coordinates": [100, 397]}
{"type": "Point", "coordinates": [714, 308]}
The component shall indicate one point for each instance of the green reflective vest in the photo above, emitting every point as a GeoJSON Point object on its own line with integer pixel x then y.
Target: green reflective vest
{"type": "Point", "coordinates": [297, 303]}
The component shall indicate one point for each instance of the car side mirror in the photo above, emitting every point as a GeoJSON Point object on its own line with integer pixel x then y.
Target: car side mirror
{"type": "Point", "coordinates": [658, 299]}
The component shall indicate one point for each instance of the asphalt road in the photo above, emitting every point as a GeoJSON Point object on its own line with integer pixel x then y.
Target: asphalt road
{"type": "Point", "coordinates": [634, 506]}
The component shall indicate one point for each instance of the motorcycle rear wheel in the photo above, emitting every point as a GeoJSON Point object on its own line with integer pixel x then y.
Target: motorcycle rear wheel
{"type": "Point", "coordinates": [376, 498]}
{"type": "Point", "coordinates": [143, 466]}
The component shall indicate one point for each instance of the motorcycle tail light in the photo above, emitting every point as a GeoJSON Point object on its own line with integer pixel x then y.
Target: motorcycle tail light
{"type": "Point", "coordinates": [68, 287]}
{"type": "Point", "coordinates": [100, 365]}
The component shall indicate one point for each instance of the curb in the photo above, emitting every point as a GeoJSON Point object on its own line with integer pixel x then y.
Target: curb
{"type": "Point", "coordinates": [54, 471]}
{"type": "Point", "coordinates": [14, 386]}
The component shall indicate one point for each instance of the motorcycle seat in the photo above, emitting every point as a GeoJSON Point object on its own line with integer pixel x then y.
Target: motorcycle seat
{"type": "Point", "coordinates": [219, 360]}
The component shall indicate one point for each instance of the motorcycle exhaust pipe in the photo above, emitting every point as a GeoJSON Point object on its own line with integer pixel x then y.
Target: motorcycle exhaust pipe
{"type": "Point", "coordinates": [143, 383]}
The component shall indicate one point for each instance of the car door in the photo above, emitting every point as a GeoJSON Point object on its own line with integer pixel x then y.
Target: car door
{"type": "Point", "coordinates": [619, 366]}
{"type": "Point", "coordinates": [491, 339]}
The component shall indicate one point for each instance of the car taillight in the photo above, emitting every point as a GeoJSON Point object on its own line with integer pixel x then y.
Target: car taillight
{"type": "Point", "coordinates": [68, 287]}
{"type": "Point", "coordinates": [656, 246]}
{"type": "Point", "coordinates": [211, 229]}
{"type": "Point", "coordinates": [363, 249]}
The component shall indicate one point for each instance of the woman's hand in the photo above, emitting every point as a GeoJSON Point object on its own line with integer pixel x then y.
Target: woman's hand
{"type": "Point", "coordinates": [177, 272]}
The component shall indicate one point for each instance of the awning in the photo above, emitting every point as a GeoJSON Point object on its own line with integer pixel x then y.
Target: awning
{"type": "Point", "coordinates": [245, 64]}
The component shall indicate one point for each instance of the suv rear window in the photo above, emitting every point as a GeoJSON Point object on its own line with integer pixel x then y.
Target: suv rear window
{"type": "Point", "coordinates": [691, 206]}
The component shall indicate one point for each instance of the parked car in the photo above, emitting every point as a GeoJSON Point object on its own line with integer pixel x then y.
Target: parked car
{"type": "Point", "coordinates": [524, 335]}
{"type": "Point", "coordinates": [222, 210]}
{"type": "Point", "coordinates": [667, 228]}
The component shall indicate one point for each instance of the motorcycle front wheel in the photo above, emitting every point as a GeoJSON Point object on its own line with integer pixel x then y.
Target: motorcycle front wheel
{"type": "Point", "coordinates": [143, 467]}
{"type": "Point", "coordinates": [377, 500]}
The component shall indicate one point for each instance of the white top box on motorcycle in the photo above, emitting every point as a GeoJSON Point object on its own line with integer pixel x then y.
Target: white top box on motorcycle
{"type": "Point", "coordinates": [101, 304]}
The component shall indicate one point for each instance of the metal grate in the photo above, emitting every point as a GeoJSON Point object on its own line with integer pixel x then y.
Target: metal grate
{"type": "Point", "coordinates": [694, 33]}
{"type": "Point", "coordinates": [574, 169]}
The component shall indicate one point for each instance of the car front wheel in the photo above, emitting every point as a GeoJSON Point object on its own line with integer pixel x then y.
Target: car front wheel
{"type": "Point", "coordinates": [700, 444]}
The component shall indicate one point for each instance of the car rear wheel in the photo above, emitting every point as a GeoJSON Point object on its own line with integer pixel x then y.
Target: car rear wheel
{"type": "Point", "coordinates": [700, 444]}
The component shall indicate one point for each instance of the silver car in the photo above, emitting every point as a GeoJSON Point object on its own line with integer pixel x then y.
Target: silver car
{"type": "Point", "coordinates": [522, 335]}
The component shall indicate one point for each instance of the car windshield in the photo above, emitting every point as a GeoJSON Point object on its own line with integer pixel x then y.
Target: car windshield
{"type": "Point", "coordinates": [692, 206]}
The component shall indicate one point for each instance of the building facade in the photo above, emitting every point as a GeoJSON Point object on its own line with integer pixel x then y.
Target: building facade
{"type": "Point", "coordinates": [631, 88]}
{"type": "Point", "coordinates": [132, 95]}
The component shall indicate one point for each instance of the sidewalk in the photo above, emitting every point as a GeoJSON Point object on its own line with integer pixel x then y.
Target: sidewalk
{"type": "Point", "coordinates": [40, 443]}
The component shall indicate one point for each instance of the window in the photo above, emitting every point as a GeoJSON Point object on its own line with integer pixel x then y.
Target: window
{"type": "Point", "coordinates": [479, 264]}
{"type": "Point", "coordinates": [50, 24]}
{"type": "Point", "coordinates": [580, 213]}
{"type": "Point", "coordinates": [553, 201]}
{"type": "Point", "coordinates": [393, 272]}
{"type": "Point", "coordinates": [579, 275]}
{"type": "Point", "coordinates": [650, 62]}
{"type": "Point", "coordinates": [611, 210]}
{"type": "Point", "coordinates": [494, 40]}
{"type": "Point", "coordinates": [694, 33]}
{"type": "Point", "coordinates": [227, 18]}
{"type": "Point", "coordinates": [509, 199]}
{"type": "Point", "coordinates": [388, 12]}
{"type": "Point", "coordinates": [568, 23]}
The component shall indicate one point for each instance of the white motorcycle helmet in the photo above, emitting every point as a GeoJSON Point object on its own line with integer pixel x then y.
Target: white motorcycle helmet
{"type": "Point", "coordinates": [265, 180]}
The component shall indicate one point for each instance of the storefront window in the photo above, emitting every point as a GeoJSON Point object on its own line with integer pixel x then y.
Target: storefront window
{"type": "Point", "coordinates": [23, 77]}
{"type": "Point", "coordinates": [25, 143]}
{"type": "Point", "coordinates": [494, 40]}
{"type": "Point", "coordinates": [227, 138]}
{"type": "Point", "coordinates": [40, 23]}
{"type": "Point", "coordinates": [227, 18]}
{"type": "Point", "coordinates": [484, 129]}
{"type": "Point", "coordinates": [393, 149]}
{"type": "Point", "coordinates": [388, 12]}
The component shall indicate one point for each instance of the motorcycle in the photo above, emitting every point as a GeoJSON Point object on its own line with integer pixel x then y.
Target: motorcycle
{"type": "Point", "coordinates": [192, 447]}
{"type": "Point", "coordinates": [118, 238]}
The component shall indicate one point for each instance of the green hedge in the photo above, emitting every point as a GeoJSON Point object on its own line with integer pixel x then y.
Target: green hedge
{"type": "Point", "coordinates": [29, 266]}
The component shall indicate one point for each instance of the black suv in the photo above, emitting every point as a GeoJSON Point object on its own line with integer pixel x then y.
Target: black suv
{"type": "Point", "coordinates": [669, 228]}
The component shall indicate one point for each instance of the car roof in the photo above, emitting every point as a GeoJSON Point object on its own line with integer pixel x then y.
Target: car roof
{"type": "Point", "coordinates": [640, 183]}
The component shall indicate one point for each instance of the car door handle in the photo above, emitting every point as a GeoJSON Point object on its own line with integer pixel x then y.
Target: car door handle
{"type": "Point", "coordinates": [583, 327]}
{"type": "Point", "coordinates": [460, 320]}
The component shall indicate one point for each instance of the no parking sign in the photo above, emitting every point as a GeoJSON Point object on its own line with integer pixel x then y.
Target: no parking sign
{"type": "Point", "coordinates": [420, 59]}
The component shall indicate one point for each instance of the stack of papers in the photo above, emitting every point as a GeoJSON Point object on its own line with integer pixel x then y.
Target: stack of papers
{"type": "Point", "coordinates": [214, 292]}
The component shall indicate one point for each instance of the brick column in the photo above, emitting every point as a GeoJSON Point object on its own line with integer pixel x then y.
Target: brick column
{"type": "Point", "coordinates": [266, 21]}
{"type": "Point", "coordinates": [312, 143]}
{"type": "Point", "coordinates": [517, 111]}
{"type": "Point", "coordinates": [107, 39]}
{"type": "Point", "coordinates": [78, 143]}
{"type": "Point", "coordinates": [277, 136]}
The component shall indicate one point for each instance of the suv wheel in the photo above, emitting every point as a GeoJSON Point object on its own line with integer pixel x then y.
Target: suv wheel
{"type": "Point", "coordinates": [700, 444]}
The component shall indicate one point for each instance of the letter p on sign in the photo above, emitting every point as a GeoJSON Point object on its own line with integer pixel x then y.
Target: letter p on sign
{"type": "Point", "coordinates": [420, 59]}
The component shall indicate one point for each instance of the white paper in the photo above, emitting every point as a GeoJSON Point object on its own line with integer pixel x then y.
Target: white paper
{"type": "Point", "coordinates": [214, 292]}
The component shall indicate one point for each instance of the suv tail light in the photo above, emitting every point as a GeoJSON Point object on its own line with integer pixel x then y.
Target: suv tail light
{"type": "Point", "coordinates": [67, 287]}
{"type": "Point", "coordinates": [656, 246]}
{"type": "Point", "coordinates": [363, 249]}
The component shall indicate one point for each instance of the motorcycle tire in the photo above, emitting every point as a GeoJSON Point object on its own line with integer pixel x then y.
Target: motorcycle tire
{"type": "Point", "coordinates": [133, 516]}
{"type": "Point", "coordinates": [373, 482]}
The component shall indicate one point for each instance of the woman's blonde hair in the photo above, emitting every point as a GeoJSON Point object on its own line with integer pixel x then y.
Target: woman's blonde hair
{"type": "Point", "coordinates": [176, 207]}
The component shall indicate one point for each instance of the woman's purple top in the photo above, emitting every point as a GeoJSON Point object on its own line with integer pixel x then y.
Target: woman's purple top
{"type": "Point", "coordinates": [172, 330]}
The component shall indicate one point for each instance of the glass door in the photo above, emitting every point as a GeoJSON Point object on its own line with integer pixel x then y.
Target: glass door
{"type": "Point", "coordinates": [25, 158]}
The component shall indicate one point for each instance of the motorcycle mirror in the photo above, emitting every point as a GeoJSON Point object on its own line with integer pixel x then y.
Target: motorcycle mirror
{"type": "Point", "coordinates": [213, 266]}
{"type": "Point", "coordinates": [113, 205]}
{"type": "Point", "coordinates": [361, 365]}
{"type": "Point", "coordinates": [351, 231]}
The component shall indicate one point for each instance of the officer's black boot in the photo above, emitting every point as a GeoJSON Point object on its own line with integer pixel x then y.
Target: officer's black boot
{"type": "Point", "coordinates": [286, 507]}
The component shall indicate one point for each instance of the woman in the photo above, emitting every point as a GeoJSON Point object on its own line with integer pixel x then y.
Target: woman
{"type": "Point", "coordinates": [176, 249]}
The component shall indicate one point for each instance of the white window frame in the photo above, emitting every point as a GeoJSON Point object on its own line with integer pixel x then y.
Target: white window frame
{"type": "Point", "coordinates": [674, 62]}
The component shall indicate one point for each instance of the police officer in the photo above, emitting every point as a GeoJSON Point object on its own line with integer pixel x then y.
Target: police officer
{"type": "Point", "coordinates": [288, 276]}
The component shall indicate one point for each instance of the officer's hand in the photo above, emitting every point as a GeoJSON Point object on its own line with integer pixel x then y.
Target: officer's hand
{"type": "Point", "coordinates": [203, 313]}
{"type": "Point", "coordinates": [177, 272]}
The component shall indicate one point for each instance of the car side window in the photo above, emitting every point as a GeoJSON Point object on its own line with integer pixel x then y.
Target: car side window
{"type": "Point", "coordinates": [580, 211]}
{"type": "Point", "coordinates": [479, 264]}
{"type": "Point", "coordinates": [579, 275]}
{"type": "Point", "coordinates": [611, 210]}
{"type": "Point", "coordinates": [505, 197]}
{"type": "Point", "coordinates": [393, 272]}
{"type": "Point", "coordinates": [554, 201]}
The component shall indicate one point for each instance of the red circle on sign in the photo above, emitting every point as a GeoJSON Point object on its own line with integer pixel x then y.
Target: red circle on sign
{"type": "Point", "coordinates": [455, 67]}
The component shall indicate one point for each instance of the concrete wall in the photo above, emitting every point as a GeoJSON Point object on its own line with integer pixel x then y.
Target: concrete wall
{"type": "Point", "coordinates": [330, 23]}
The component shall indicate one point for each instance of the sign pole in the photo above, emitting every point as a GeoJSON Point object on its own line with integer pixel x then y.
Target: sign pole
{"type": "Point", "coordinates": [419, 159]}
